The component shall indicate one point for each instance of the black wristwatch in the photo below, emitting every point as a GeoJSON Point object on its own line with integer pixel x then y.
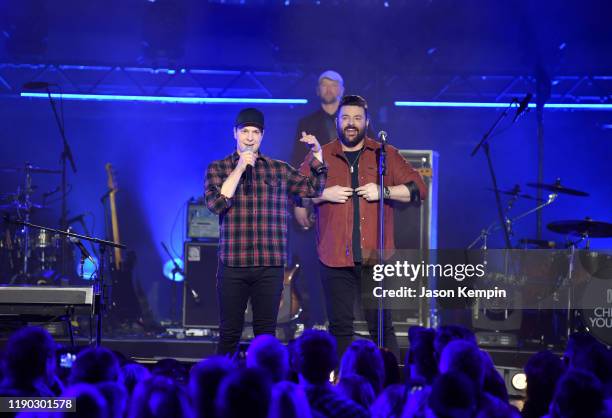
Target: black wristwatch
{"type": "Point", "coordinates": [386, 193]}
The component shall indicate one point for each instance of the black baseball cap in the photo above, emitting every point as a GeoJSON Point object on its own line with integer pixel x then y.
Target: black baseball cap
{"type": "Point", "coordinates": [250, 117]}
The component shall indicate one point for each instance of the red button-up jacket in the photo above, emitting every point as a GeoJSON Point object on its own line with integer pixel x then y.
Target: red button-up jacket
{"type": "Point", "coordinates": [335, 220]}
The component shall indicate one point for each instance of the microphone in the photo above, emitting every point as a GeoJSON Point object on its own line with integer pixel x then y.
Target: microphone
{"type": "Point", "coordinates": [248, 179]}
{"type": "Point", "coordinates": [382, 137]}
{"type": "Point", "coordinates": [523, 106]}
{"type": "Point", "coordinates": [79, 244]}
{"type": "Point", "coordinates": [37, 85]}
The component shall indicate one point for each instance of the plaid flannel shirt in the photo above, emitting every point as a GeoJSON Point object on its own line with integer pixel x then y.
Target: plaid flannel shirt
{"type": "Point", "coordinates": [253, 226]}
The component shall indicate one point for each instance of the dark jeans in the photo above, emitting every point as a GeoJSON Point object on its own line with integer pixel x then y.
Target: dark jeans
{"type": "Point", "coordinates": [342, 285]}
{"type": "Point", "coordinates": [235, 285]}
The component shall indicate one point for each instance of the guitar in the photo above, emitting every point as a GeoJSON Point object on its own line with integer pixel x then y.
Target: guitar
{"type": "Point", "coordinates": [113, 189]}
{"type": "Point", "coordinates": [127, 303]}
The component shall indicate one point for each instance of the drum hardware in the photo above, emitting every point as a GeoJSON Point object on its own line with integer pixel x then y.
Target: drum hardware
{"type": "Point", "coordinates": [27, 255]}
{"type": "Point", "coordinates": [516, 192]}
{"type": "Point", "coordinates": [509, 221]}
{"type": "Point", "coordinates": [557, 188]}
{"type": "Point", "coordinates": [585, 230]}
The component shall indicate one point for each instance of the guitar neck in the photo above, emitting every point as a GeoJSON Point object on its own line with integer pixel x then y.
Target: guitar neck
{"type": "Point", "coordinates": [115, 227]}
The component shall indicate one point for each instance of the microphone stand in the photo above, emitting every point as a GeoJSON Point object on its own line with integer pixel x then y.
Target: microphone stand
{"type": "Point", "coordinates": [382, 172]}
{"type": "Point", "coordinates": [178, 269]}
{"type": "Point", "coordinates": [99, 280]}
{"type": "Point", "coordinates": [484, 144]}
{"type": "Point", "coordinates": [65, 155]}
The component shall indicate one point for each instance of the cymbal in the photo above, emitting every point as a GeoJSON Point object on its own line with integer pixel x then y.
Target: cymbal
{"type": "Point", "coordinates": [516, 192]}
{"type": "Point", "coordinates": [20, 206]}
{"type": "Point", "coordinates": [558, 188]}
{"type": "Point", "coordinates": [594, 229]}
{"type": "Point", "coordinates": [32, 169]}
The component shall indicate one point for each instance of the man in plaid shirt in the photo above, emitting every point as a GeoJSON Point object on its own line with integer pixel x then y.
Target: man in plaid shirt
{"type": "Point", "coordinates": [250, 193]}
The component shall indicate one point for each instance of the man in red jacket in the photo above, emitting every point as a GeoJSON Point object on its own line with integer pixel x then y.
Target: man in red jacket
{"type": "Point", "coordinates": [345, 241]}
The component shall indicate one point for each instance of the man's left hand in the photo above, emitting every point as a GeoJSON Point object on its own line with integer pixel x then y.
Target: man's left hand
{"type": "Point", "coordinates": [368, 191]}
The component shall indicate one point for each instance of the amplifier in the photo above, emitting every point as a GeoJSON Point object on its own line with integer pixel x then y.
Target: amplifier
{"type": "Point", "coordinates": [202, 224]}
{"type": "Point", "coordinates": [416, 227]}
{"type": "Point", "coordinates": [200, 272]}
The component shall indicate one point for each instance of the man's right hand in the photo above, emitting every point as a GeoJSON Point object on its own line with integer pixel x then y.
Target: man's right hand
{"type": "Point", "coordinates": [246, 158]}
{"type": "Point", "coordinates": [302, 216]}
{"type": "Point", "coordinates": [337, 194]}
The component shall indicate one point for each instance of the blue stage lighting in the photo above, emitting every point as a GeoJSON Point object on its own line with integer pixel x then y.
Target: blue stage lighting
{"type": "Point", "coordinates": [576, 106]}
{"type": "Point", "coordinates": [169, 266]}
{"type": "Point", "coordinates": [89, 268]}
{"type": "Point", "coordinates": [164, 99]}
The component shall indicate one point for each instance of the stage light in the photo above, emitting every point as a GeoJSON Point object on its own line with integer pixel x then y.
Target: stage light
{"type": "Point", "coordinates": [519, 381]}
{"type": "Point", "coordinates": [164, 99]}
{"type": "Point", "coordinates": [89, 268]}
{"type": "Point", "coordinates": [169, 267]}
{"type": "Point", "coordinates": [565, 106]}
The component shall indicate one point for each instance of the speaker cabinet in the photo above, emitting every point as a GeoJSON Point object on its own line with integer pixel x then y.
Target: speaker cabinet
{"type": "Point", "coordinates": [200, 273]}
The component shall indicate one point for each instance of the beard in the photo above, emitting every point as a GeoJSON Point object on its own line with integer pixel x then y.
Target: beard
{"type": "Point", "coordinates": [329, 99]}
{"type": "Point", "coordinates": [348, 141]}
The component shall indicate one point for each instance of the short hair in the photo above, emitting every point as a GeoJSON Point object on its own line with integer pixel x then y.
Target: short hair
{"type": "Point", "coordinates": [159, 396]}
{"type": "Point", "coordinates": [315, 356]}
{"type": "Point", "coordinates": [27, 354]}
{"type": "Point", "coordinates": [579, 394]}
{"type": "Point", "coordinates": [132, 374]}
{"type": "Point", "coordinates": [447, 333]}
{"type": "Point", "coordinates": [452, 392]}
{"type": "Point", "coordinates": [244, 392]}
{"type": "Point", "coordinates": [464, 357]}
{"type": "Point", "coordinates": [95, 365]}
{"type": "Point", "coordinates": [354, 100]}
{"type": "Point", "coordinates": [204, 381]}
{"type": "Point", "coordinates": [267, 353]}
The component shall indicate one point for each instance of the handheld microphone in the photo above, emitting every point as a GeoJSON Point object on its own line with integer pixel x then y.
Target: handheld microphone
{"type": "Point", "coordinates": [523, 106]}
{"type": "Point", "coordinates": [248, 174]}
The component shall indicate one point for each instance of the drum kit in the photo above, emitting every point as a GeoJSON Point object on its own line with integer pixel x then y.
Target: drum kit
{"type": "Point", "coordinates": [583, 230]}
{"type": "Point", "coordinates": [568, 265]}
{"type": "Point", "coordinates": [28, 256]}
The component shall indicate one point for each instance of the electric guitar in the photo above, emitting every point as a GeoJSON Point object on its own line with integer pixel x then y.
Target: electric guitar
{"type": "Point", "coordinates": [112, 192]}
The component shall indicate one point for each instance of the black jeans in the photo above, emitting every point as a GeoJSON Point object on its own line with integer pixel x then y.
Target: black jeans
{"type": "Point", "coordinates": [235, 285]}
{"type": "Point", "coordinates": [341, 286]}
